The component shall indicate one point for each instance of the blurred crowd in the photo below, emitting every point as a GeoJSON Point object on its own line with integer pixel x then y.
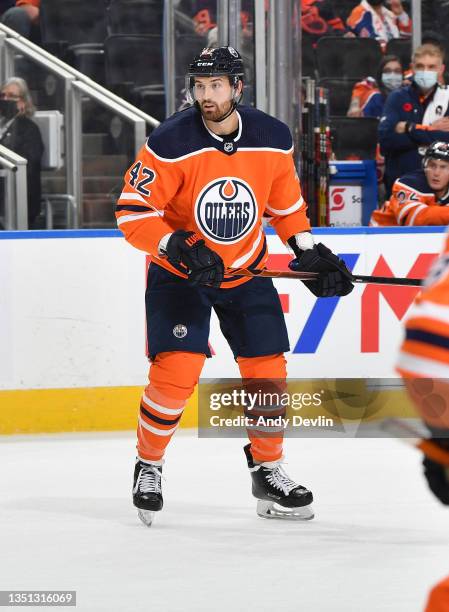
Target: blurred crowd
{"type": "Point", "coordinates": [368, 66]}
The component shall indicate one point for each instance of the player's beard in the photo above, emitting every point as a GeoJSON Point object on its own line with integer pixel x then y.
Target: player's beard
{"type": "Point", "coordinates": [216, 113]}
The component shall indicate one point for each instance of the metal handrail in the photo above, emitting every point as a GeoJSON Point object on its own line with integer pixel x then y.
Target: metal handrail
{"type": "Point", "coordinates": [117, 108]}
{"type": "Point", "coordinates": [138, 122]}
{"type": "Point", "coordinates": [8, 164]}
{"type": "Point", "coordinates": [56, 65]}
{"type": "Point", "coordinates": [76, 84]}
{"type": "Point", "coordinates": [16, 217]}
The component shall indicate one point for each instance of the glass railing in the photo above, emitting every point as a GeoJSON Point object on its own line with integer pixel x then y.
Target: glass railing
{"type": "Point", "coordinates": [96, 135]}
{"type": "Point", "coordinates": [13, 192]}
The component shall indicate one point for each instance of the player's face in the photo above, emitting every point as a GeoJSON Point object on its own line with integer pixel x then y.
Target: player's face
{"type": "Point", "coordinates": [437, 173]}
{"type": "Point", "coordinates": [214, 95]}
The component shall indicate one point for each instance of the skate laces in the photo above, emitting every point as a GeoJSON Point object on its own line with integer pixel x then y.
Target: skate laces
{"type": "Point", "coordinates": [279, 480]}
{"type": "Point", "coordinates": [149, 479]}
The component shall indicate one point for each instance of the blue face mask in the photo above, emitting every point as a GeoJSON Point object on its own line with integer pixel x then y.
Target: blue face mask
{"type": "Point", "coordinates": [391, 80]}
{"type": "Point", "coordinates": [426, 79]}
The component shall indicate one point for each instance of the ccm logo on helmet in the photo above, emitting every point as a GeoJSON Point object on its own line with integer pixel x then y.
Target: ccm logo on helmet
{"type": "Point", "coordinates": [226, 210]}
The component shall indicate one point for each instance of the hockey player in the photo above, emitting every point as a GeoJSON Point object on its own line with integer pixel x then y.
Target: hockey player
{"type": "Point", "coordinates": [194, 199]}
{"type": "Point", "coordinates": [424, 364]}
{"type": "Point", "coordinates": [421, 197]}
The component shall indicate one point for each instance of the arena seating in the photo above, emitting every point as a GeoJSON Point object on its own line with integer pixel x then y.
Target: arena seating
{"type": "Point", "coordinates": [135, 17]}
{"type": "Point", "coordinates": [74, 30]}
{"type": "Point", "coordinates": [340, 91]}
{"type": "Point", "coordinates": [352, 58]}
{"type": "Point", "coordinates": [402, 48]}
{"type": "Point", "coordinates": [353, 137]}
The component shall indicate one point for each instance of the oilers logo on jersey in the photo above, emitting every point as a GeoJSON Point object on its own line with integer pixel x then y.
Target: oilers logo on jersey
{"type": "Point", "coordinates": [222, 196]}
{"type": "Point", "coordinates": [226, 210]}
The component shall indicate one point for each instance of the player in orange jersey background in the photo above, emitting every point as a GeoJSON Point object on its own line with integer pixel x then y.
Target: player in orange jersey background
{"type": "Point", "coordinates": [424, 364]}
{"type": "Point", "coordinates": [194, 199]}
{"type": "Point", "coordinates": [420, 197]}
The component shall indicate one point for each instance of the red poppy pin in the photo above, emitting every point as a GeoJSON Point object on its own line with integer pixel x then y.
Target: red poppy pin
{"type": "Point", "coordinates": [407, 107]}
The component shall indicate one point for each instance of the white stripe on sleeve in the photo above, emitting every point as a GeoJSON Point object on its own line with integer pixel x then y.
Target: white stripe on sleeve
{"type": "Point", "coordinates": [138, 216]}
{"type": "Point", "coordinates": [293, 208]}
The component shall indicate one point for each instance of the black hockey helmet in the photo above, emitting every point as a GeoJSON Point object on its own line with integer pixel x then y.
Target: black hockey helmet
{"type": "Point", "coordinates": [215, 61]}
{"type": "Point", "coordinates": [437, 150]}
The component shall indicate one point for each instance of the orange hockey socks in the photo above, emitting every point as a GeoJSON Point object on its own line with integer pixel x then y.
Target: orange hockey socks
{"type": "Point", "coordinates": [265, 375]}
{"type": "Point", "coordinates": [173, 377]}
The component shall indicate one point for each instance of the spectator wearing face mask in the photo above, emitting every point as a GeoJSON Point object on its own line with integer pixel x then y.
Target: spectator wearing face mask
{"type": "Point", "coordinates": [414, 116]}
{"type": "Point", "coordinates": [19, 133]}
{"type": "Point", "coordinates": [372, 19]}
{"type": "Point", "coordinates": [369, 96]}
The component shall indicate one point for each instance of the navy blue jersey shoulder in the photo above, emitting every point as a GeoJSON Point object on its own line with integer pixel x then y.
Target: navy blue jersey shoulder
{"type": "Point", "coordinates": [184, 133]}
{"type": "Point", "coordinates": [179, 135]}
{"type": "Point", "coordinates": [416, 180]}
{"type": "Point", "coordinates": [262, 130]}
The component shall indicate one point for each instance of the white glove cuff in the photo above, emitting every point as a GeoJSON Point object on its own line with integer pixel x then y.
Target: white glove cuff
{"type": "Point", "coordinates": [162, 246]}
{"type": "Point", "coordinates": [304, 240]}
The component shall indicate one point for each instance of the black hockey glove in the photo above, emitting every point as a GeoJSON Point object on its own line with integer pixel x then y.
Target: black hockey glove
{"type": "Point", "coordinates": [334, 277]}
{"type": "Point", "coordinates": [437, 475]}
{"type": "Point", "coordinates": [204, 266]}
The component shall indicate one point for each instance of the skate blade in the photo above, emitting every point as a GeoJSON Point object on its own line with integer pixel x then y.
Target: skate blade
{"type": "Point", "coordinates": [146, 516]}
{"type": "Point", "coordinates": [270, 510]}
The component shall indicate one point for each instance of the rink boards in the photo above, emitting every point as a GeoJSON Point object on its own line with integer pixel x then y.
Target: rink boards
{"type": "Point", "coordinates": [72, 322]}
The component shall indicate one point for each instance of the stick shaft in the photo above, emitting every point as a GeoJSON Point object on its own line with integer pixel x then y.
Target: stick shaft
{"type": "Point", "coordinates": [356, 278]}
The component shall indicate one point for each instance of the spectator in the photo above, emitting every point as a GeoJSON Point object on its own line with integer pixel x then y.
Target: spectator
{"type": "Point", "coordinates": [204, 17]}
{"type": "Point", "coordinates": [24, 19]}
{"type": "Point", "coordinates": [318, 18]}
{"type": "Point", "coordinates": [414, 116]}
{"type": "Point", "coordinates": [369, 95]}
{"type": "Point", "coordinates": [421, 197]}
{"type": "Point", "coordinates": [371, 19]}
{"type": "Point", "coordinates": [21, 135]}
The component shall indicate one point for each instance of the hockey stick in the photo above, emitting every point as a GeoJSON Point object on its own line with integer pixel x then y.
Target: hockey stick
{"type": "Point", "coordinates": [355, 278]}
{"type": "Point", "coordinates": [413, 438]}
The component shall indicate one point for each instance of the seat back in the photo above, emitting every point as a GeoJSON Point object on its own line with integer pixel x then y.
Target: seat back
{"type": "Point", "coordinates": [75, 21]}
{"type": "Point", "coordinates": [187, 47]}
{"type": "Point", "coordinates": [402, 48]}
{"type": "Point", "coordinates": [134, 59]}
{"type": "Point", "coordinates": [352, 58]}
{"type": "Point", "coordinates": [308, 62]}
{"type": "Point", "coordinates": [354, 137]}
{"type": "Point", "coordinates": [135, 16]}
{"type": "Point", "coordinates": [340, 91]}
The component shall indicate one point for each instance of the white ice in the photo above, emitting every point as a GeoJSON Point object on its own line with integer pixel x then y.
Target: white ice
{"type": "Point", "coordinates": [378, 542]}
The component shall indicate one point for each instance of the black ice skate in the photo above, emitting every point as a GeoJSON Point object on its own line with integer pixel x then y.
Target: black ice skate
{"type": "Point", "coordinates": [147, 490]}
{"type": "Point", "coordinates": [278, 496]}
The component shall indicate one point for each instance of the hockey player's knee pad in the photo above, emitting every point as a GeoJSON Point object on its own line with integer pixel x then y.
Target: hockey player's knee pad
{"type": "Point", "coordinates": [175, 374]}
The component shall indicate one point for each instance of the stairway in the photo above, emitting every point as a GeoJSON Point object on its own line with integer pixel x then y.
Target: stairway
{"type": "Point", "coordinates": [101, 184]}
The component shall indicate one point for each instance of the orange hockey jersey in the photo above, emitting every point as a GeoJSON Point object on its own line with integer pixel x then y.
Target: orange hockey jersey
{"type": "Point", "coordinates": [186, 177]}
{"type": "Point", "coordinates": [413, 202]}
{"type": "Point", "coordinates": [425, 350]}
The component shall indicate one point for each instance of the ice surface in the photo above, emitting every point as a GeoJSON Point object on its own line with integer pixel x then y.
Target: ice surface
{"type": "Point", "coordinates": [378, 542]}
